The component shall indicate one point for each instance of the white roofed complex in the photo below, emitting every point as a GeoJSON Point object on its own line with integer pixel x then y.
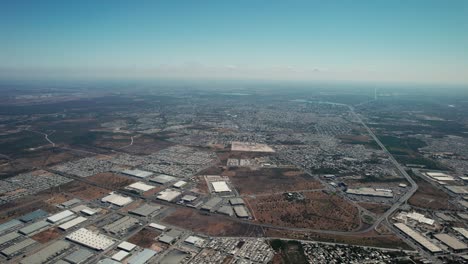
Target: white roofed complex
{"type": "Point", "coordinates": [220, 186]}
{"type": "Point", "coordinates": [117, 199]}
{"type": "Point", "coordinates": [91, 239]}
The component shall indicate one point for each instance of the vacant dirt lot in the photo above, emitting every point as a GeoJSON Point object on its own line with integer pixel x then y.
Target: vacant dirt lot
{"type": "Point", "coordinates": [145, 238]}
{"type": "Point", "coordinates": [210, 224]}
{"type": "Point", "coordinates": [428, 196]}
{"type": "Point", "coordinates": [249, 181]}
{"type": "Point", "coordinates": [110, 180]}
{"type": "Point", "coordinates": [83, 190]}
{"type": "Point", "coordinates": [47, 235]}
{"type": "Point", "coordinates": [375, 208]}
{"type": "Point", "coordinates": [317, 211]}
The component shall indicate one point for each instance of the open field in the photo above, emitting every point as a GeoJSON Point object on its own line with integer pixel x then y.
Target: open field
{"type": "Point", "coordinates": [111, 180]}
{"type": "Point", "coordinates": [47, 235]}
{"type": "Point", "coordinates": [249, 181]}
{"type": "Point", "coordinates": [210, 224]}
{"type": "Point", "coordinates": [144, 145]}
{"type": "Point", "coordinates": [317, 211]}
{"type": "Point", "coordinates": [83, 190]}
{"type": "Point", "coordinates": [375, 208]}
{"type": "Point", "coordinates": [145, 238]}
{"type": "Point", "coordinates": [429, 197]}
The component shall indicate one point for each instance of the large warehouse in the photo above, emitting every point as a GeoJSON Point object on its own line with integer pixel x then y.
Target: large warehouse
{"type": "Point", "coordinates": [91, 239]}
{"type": "Point", "coordinates": [220, 186]}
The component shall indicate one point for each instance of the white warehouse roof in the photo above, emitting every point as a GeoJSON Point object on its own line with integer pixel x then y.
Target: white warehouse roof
{"type": "Point", "coordinates": [141, 186]}
{"type": "Point", "coordinates": [418, 238]}
{"type": "Point", "coordinates": [220, 186]}
{"type": "Point", "coordinates": [127, 246]}
{"type": "Point", "coordinates": [60, 216]}
{"type": "Point", "coordinates": [73, 223]}
{"type": "Point", "coordinates": [116, 199]}
{"type": "Point", "coordinates": [91, 239]}
{"type": "Point", "coordinates": [157, 226]}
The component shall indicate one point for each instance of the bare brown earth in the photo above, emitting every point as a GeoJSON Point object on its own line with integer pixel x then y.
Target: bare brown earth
{"type": "Point", "coordinates": [375, 208]}
{"type": "Point", "coordinates": [47, 235]}
{"type": "Point", "coordinates": [318, 211]}
{"type": "Point", "coordinates": [83, 190]}
{"type": "Point", "coordinates": [145, 145]}
{"type": "Point", "coordinates": [110, 180]}
{"type": "Point", "coordinates": [249, 181]}
{"type": "Point", "coordinates": [212, 225]}
{"type": "Point", "coordinates": [429, 197]}
{"type": "Point", "coordinates": [145, 238]}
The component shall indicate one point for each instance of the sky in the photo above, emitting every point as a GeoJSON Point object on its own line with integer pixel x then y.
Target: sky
{"type": "Point", "coordinates": [377, 40]}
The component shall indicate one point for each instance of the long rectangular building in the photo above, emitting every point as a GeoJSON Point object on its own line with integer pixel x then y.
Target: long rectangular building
{"type": "Point", "coordinates": [452, 242]}
{"type": "Point", "coordinates": [73, 223]}
{"type": "Point", "coordinates": [47, 253]}
{"type": "Point", "coordinates": [418, 238]}
{"type": "Point", "coordinates": [18, 248]}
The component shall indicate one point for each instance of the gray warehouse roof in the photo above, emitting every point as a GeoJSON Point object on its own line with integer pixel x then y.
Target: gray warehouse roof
{"type": "Point", "coordinates": [241, 211]}
{"type": "Point", "coordinates": [46, 253]}
{"type": "Point", "coordinates": [10, 224]}
{"type": "Point", "coordinates": [79, 256]}
{"type": "Point", "coordinates": [9, 237]}
{"type": "Point", "coordinates": [146, 210]}
{"type": "Point", "coordinates": [39, 213]}
{"type": "Point", "coordinates": [211, 203]}
{"type": "Point", "coordinates": [236, 201]}
{"type": "Point", "coordinates": [18, 247]}
{"type": "Point", "coordinates": [142, 257]}
{"type": "Point", "coordinates": [34, 227]}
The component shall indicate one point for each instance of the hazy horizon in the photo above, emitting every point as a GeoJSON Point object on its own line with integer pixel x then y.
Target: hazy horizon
{"type": "Point", "coordinates": [366, 41]}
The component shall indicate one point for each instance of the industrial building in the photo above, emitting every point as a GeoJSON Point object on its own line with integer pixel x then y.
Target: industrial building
{"type": "Point", "coordinates": [241, 211]}
{"type": "Point", "coordinates": [140, 186]}
{"type": "Point", "coordinates": [418, 238]}
{"type": "Point", "coordinates": [220, 186]}
{"type": "Point", "coordinates": [9, 237]}
{"type": "Point", "coordinates": [34, 215]}
{"type": "Point", "coordinates": [121, 226]}
{"type": "Point", "coordinates": [189, 198]}
{"type": "Point", "coordinates": [70, 202]}
{"type": "Point", "coordinates": [47, 253]}
{"type": "Point", "coordinates": [194, 240]}
{"type": "Point", "coordinates": [371, 192]}
{"type": "Point", "coordinates": [163, 179]}
{"type": "Point", "coordinates": [137, 173]}
{"type": "Point", "coordinates": [126, 246]}
{"type": "Point", "coordinates": [18, 248]}
{"type": "Point", "coordinates": [168, 195]}
{"type": "Point", "coordinates": [236, 201]}
{"type": "Point", "coordinates": [225, 210]}
{"type": "Point", "coordinates": [73, 223]}
{"type": "Point", "coordinates": [452, 242]}
{"type": "Point", "coordinates": [117, 199]}
{"type": "Point", "coordinates": [79, 256]}
{"type": "Point", "coordinates": [120, 255]}
{"type": "Point", "coordinates": [457, 189]}
{"type": "Point", "coordinates": [61, 217]}
{"type": "Point", "coordinates": [211, 204]}
{"type": "Point", "coordinates": [179, 184]}
{"type": "Point", "coordinates": [146, 210]}
{"type": "Point", "coordinates": [10, 225]}
{"type": "Point", "coordinates": [403, 216]}
{"type": "Point", "coordinates": [35, 227]}
{"type": "Point", "coordinates": [91, 239]}
{"type": "Point", "coordinates": [142, 257]}
{"type": "Point", "coordinates": [157, 226]}
{"type": "Point", "coordinates": [462, 231]}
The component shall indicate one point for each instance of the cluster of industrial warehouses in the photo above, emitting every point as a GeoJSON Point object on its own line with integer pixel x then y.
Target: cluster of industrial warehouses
{"type": "Point", "coordinates": [431, 235]}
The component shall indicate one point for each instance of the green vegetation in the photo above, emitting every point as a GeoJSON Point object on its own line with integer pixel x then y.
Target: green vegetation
{"type": "Point", "coordinates": [291, 251]}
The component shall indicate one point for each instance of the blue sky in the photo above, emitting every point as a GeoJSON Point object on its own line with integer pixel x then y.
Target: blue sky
{"type": "Point", "coordinates": [390, 41]}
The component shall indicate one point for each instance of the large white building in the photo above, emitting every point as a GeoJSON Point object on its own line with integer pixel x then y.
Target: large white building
{"type": "Point", "coordinates": [117, 199]}
{"type": "Point", "coordinates": [91, 239]}
{"type": "Point", "coordinates": [220, 186]}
